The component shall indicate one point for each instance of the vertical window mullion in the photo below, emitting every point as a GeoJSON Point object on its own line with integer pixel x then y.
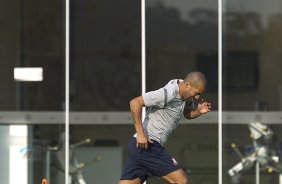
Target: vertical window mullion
{"type": "Point", "coordinates": [67, 46]}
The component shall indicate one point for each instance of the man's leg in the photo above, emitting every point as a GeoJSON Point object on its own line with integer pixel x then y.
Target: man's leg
{"type": "Point", "coordinates": [134, 181]}
{"type": "Point", "coordinates": [176, 177]}
{"type": "Point", "coordinates": [132, 172]}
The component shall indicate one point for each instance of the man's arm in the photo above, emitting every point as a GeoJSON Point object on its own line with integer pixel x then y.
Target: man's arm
{"type": "Point", "coordinates": [136, 105]}
{"type": "Point", "coordinates": [202, 108]}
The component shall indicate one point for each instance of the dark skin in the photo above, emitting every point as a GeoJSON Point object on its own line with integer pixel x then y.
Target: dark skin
{"type": "Point", "coordinates": [186, 92]}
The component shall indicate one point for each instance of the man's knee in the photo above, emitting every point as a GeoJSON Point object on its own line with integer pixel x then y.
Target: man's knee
{"type": "Point", "coordinates": [183, 180]}
{"type": "Point", "coordinates": [121, 182]}
{"type": "Point", "coordinates": [179, 180]}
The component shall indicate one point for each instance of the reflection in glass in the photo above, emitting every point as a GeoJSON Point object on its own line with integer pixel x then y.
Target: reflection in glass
{"type": "Point", "coordinates": [252, 91]}
{"type": "Point", "coordinates": [251, 56]}
{"type": "Point", "coordinates": [105, 75]}
{"type": "Point", "coordinates": [105, 54]}
{"type": "Point", "coordinates": [181, 36]}
{"type": "Point", "coordinates": [32, 36]}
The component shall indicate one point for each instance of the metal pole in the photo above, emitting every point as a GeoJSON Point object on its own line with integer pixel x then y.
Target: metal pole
{"type": "Point", "coordinates": [47, 165]}
{"type": "Point", "coordinates": [220, 10]}
{"type": "Point", "coordinates": [143, 50]}
{"type": "Point", "coordinates": [257, 173]}
{"type": "Point", "coordinates": [67, 93]}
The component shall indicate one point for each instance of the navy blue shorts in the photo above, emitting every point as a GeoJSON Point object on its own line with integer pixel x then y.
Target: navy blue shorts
{"type": "Point", "coordinates": [141, 163]}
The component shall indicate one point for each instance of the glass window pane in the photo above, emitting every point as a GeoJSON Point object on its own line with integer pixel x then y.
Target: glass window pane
{"type": "Point", "coordinates": [105, 75]}
{"type": "Point", "coordinates": [182, 36]}
{"type": "Point", "coordinates": [251, 91]}
{"type": "Point", "coordinates": [105, 54]}
{"type": "Point", "coordinates": [31, 111]}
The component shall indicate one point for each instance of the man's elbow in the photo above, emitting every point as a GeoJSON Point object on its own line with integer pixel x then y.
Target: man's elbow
{"type": "Point", "coordinates": [136, 103]}
{"type": "Point", "coordinates": [132, 103]}
{"type": "Point", "coordinates": [188, 116]}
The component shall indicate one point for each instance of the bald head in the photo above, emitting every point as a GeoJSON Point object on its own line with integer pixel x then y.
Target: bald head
{"type": "Point", "coordinates": [196, 79]}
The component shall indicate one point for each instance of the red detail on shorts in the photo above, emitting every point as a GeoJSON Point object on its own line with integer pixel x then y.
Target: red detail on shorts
{"type": "Point", "coordinates": [174, 161]}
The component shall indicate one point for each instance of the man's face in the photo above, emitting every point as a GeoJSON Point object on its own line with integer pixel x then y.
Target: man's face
{"type": "Point", "coordinates": [193, 92]}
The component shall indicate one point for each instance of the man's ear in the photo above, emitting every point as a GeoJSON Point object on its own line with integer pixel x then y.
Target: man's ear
{"type": "Point", "coordinates": [187, 84]}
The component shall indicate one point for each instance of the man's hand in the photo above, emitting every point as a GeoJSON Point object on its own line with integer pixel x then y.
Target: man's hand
{"type": "Point", "coordinates": [142, 140]}
{"type": "Point", "coordinates": [203, 107]}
